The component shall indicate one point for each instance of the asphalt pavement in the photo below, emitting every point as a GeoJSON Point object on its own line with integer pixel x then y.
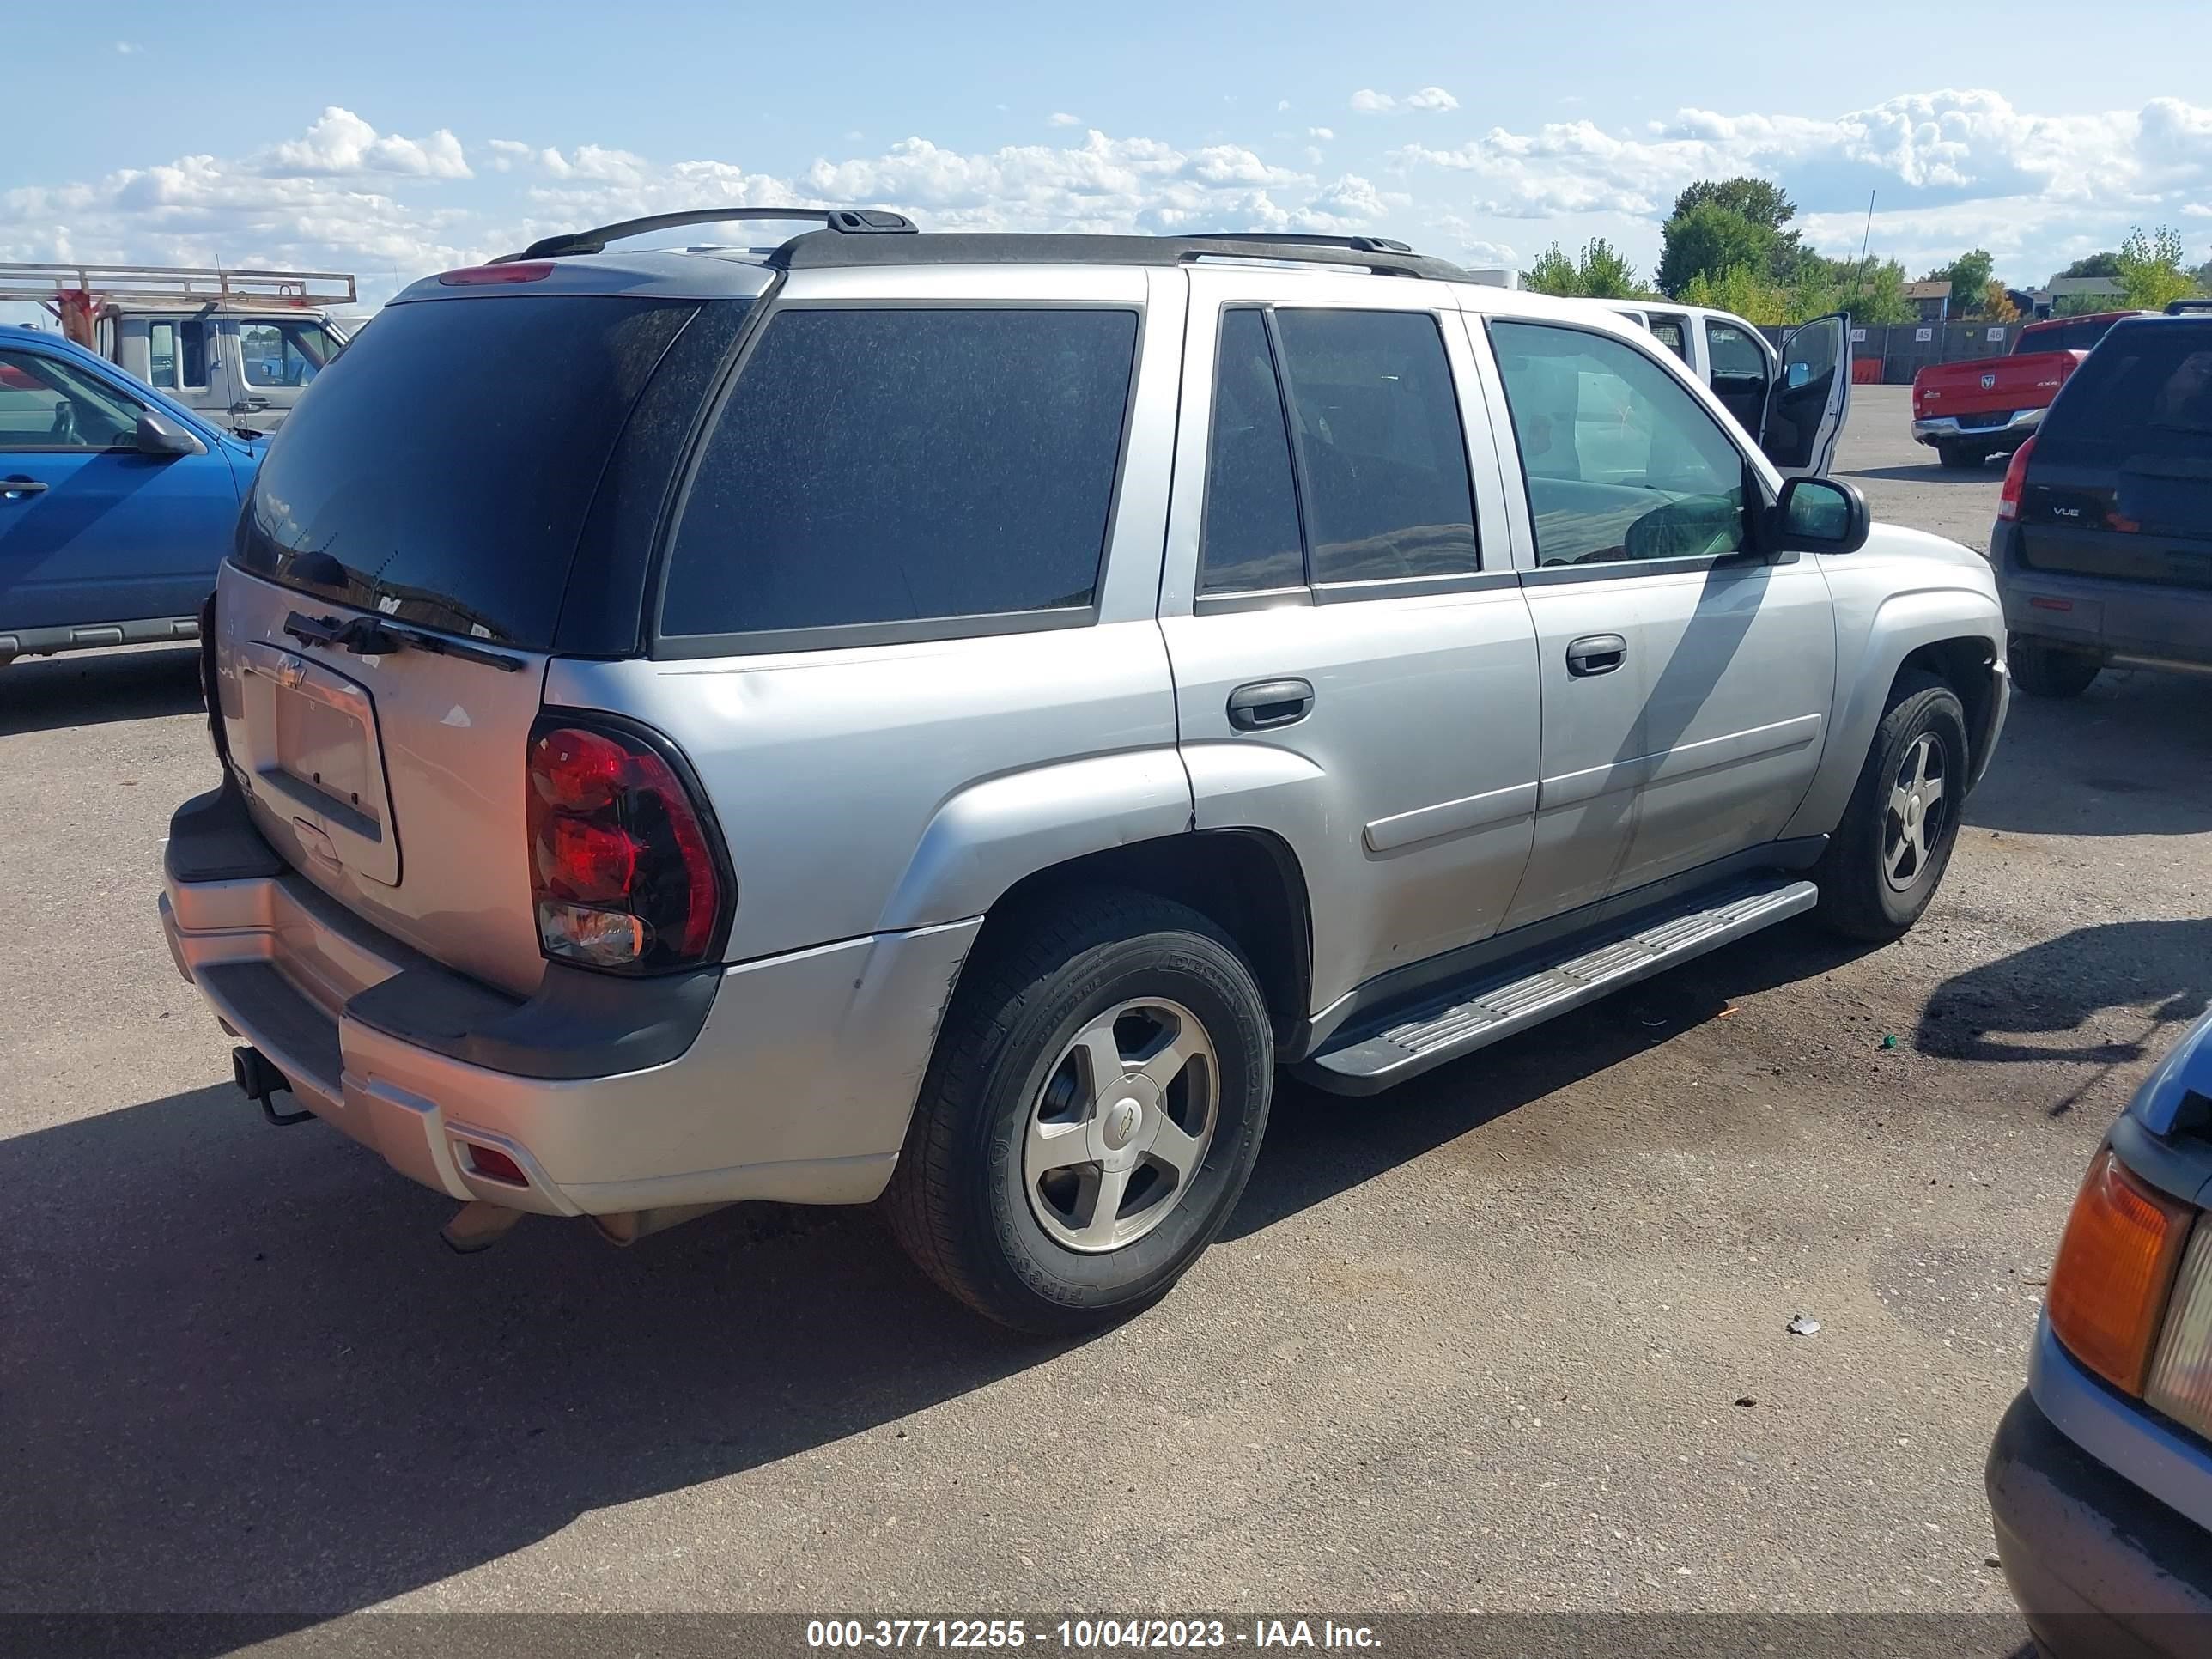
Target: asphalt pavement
{"type": "Point", "coordinates": [1512, 1338]}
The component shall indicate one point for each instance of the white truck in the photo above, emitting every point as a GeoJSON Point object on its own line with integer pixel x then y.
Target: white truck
{"type": "Point", "coordinates": [237, 347]}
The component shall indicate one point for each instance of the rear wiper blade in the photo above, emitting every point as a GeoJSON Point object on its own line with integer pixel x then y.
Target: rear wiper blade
{"type": "Point", "coordinates": [370, 637]}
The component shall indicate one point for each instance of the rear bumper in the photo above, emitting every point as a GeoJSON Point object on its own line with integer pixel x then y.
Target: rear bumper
{"type": "Point", "coordinates": [790, 1078]}
{"type": "Point", "coordinates": [2100, 1568]}
{"type": "Point", "coordinates": [1946, 428]}
{"type": "Point", "coordinates": [2146, 623]}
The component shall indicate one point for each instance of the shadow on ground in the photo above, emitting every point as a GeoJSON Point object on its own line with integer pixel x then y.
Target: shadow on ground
{"type": "Point", "coordinates": [90, 687]}
{"type": "Point", "coordinates": [2044, 1003]}
{"type": "Point", "coordinates": [239, 1373]}
{"type": "Point", "coordinates": [2132, 756]}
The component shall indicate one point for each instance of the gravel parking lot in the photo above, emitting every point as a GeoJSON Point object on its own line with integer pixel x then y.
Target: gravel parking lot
{"type": "Point", "coordinates": [1510, 1339]}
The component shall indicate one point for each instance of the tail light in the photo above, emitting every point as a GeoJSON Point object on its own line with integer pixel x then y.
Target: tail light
{"type": "Point", "coordinates": [494, 275]}
{"type": "Point", "coordinates": [2015, 481]}
{"type": "Point", "coordinates": [627, 871]}
{"type": "Point", "coordinates": [2116, 1266]}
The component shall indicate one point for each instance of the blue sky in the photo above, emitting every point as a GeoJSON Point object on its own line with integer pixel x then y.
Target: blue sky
{"type": "Point", "coordinates": [403, 137]}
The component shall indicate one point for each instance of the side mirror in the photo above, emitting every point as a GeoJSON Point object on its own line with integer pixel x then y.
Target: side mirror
{"type": "Point", "coordinates": [1817, 516]}
{"type": "Point", "coordinates": [158, 435]}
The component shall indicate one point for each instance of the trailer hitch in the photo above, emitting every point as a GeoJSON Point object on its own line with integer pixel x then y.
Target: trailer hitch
{"type": "Point", "coordinates": [257, 1080]}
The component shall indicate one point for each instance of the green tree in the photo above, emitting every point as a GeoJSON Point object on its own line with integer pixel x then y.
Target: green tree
{"type": "Point", "coordinates": [1759, 200]}
{"type": "Point", "coordinates": [2106, 264]}
{"type": "Point", "coordinates": [1598, 272]}
{"type": "Point", "coordinates": [1553, 273]}
{"type": "Point", "coordinates": [2204, 276]}
{"type": "Point", "coordinates": [1709, 240]}
{"type": "Point", "coordinates": [1604, 275]}
{"type": "Point", "coordinates": [1745, 289]}
{"type": "Point", "coordinates": [2150, 269]}
{"type": "Point", "coordinates": [1969, 276]}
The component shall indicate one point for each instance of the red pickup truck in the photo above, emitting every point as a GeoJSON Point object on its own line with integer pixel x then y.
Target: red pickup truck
{"type": "Point", "coordinates": [1969, 411]}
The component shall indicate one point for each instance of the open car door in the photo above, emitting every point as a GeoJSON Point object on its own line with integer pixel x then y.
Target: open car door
{"type": "Point", "coordinates": [1807, 401]}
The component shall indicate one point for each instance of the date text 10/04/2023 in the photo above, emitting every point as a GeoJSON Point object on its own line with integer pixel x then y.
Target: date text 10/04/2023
{"type": "Point", "coordinates": [1086, 1635]}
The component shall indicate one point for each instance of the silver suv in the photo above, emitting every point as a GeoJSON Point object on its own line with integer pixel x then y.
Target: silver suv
{"type": "Point", "coordinates": [943, 719]}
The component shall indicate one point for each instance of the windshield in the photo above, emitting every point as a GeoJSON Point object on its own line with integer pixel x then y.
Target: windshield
{"type": "Point", "coordinates": [440, 469]}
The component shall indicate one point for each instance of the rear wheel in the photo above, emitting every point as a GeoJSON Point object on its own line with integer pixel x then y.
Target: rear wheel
{"type": "Point", "coordinates": [1091, 1115]}
{"type": "Point", "coordinates": [1888, 855]}
{"type": "Point", "coordinates": [2044, 669]}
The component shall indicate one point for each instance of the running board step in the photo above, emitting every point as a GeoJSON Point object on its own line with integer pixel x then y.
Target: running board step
{"type": "Point", "coordinates": [1468, 1018]}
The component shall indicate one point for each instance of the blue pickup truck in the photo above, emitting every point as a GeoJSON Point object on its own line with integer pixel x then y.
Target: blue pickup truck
{"type": "Point", "coordinates": [116, 503]}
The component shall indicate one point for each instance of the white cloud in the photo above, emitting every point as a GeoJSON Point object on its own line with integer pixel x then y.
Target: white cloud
{"type": "Point", "coordinates": [1952, 167]}
{"type": "Point", "coordinates": [1435, 100]}
{"type": "Point", "coordinates": [1062, 118]}
{"type": "Point", "coordinates": [1281, 104]}
{"type": "Point", "coordinates": [342, 143]}
{"type": "Point", "coordinates": [128, 48]}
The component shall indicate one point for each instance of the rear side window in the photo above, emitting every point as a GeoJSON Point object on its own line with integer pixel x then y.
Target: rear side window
{"type": "Point", "coordinates": [1382, 457]}
{"type": "Point", "coordinates": [903, 467]}
{"type": "Point", "coordinates": [1250, 538]}
{"type": "Point", "coordinates": [441, 470]}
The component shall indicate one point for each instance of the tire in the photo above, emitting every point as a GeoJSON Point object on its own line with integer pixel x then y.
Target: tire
{"type": "Point", "coordinates": [975, 1200]}
{"type": "Point", "coordinates": [2044, 669]}
{"type": "Point", "coordinates": [1960, 458]}
{"type": "Point", "coordinates": [1871, 888]}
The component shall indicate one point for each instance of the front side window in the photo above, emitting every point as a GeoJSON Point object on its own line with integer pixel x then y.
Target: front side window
{"type": "Point", "coordinates": [1622, 462]}
{"type": "Point", "coordinates": [283, 354]}
{"type": "Point", "coordinates": [905, 464]}
{"type": "Point", "coordinates": [1669, 331]}
{"type": "Point", "coordinates": [47, 403]}
{"type": "Point", "coordinates": [1735, 353]}
{"type": "Point", "coordinates": [1382, 457]}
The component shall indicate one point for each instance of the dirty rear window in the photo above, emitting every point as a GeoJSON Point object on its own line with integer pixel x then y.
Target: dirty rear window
{"type": "Point", "coordinates": [439, 470]}
{"type": "Point", "coordinates": [2146, 390]}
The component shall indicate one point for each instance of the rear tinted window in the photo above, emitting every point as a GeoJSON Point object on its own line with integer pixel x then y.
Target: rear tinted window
{"type": "Point", "coordinates": [905, 466]}
{"type": "Point", "coordinates": [440, 469]}
{"type": "Point", "coordinates": [2146, 392]}
{"type": "Point", "coordinates": [1382, 457]}
{"type": "Point", "coordinates": [2081, 336]}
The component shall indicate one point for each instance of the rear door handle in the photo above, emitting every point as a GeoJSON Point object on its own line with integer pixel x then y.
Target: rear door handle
{"type": "Point", "coordinates": [1266, 704]}
{"type": "Point", "coordinates": [12, 487]}
{"type": "Point", "coordinates": [1596, 653]}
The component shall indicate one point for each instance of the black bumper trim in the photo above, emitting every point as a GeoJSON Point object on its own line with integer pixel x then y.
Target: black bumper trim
{"type": "Point", "coordinates": [2098, 1566]}
{"type": "Point", "coordinates": [577, 1024]}
{"type": "Point", "coordinates": [212, 838]}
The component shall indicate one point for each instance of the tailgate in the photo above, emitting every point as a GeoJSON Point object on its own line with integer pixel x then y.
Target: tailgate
{"type": "Point", "coordinates": [1991, 385]}
{"type": "Point", "coordinates": [394, 782]}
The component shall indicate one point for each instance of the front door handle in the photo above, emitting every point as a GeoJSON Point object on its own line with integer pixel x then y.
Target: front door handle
{"type": "Point", "coordinates": [1596, 653]}
{"type": "Point", "coordinates": [1265, 704]}
{"type": "Point", "coordinates": [12, 488]}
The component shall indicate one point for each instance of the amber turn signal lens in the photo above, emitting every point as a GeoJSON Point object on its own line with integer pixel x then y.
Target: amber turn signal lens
{"type": "Point", "coordinates": [2115, 1268]}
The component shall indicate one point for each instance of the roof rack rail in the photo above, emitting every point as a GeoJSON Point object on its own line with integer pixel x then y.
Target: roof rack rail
{"type": "Point", "coordinates": [1356, 244]}
{"type": "Point", "coordinates": [845, 221]}
{"type": "Point", "coordinates": [820, 251]}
